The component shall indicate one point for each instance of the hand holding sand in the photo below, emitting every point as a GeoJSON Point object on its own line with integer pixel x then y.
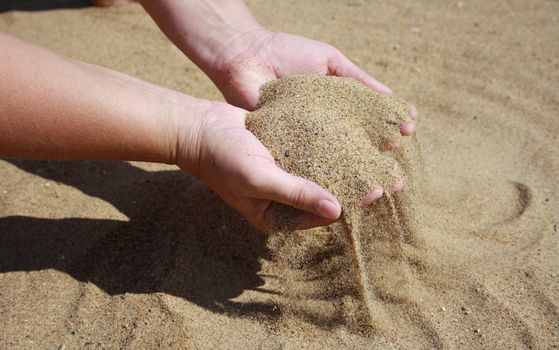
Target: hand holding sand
{"type": "Point", "coordinates": [344, 125]}
{"type": "Point", "coordinates": [227, 42]}
{"type": "Point", "coordinates": [265, 56]}
{"type": "Point", "coordinates": [333, 131]}
{"type": "Point", "coordinates": [233, 163]}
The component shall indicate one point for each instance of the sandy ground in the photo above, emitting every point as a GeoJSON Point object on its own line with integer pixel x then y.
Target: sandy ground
{"type": "Point", "coordinates": [130, 255]}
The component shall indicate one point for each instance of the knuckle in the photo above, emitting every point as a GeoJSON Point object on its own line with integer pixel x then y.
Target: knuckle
{"type": "Point", "coordinates": [257, 182]}
{"type": "Point", "coordinates": [299, 195]}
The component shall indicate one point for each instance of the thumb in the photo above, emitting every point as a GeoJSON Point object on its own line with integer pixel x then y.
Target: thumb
{"type": "Point", "coordinates": [301, 194]}
{"type": "Point", "coordinates": [341, 66]}
{"type": "Point", "coordinates": [242, 89]}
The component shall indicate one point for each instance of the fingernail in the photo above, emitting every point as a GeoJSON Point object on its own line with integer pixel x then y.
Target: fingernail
{"type": "Point", "coordinates": [407, 129]}
{"type": "Point", "coordinates": [393, 144]}
{"type": "Point", "coordinates": [328, 209]}
{"type": "Point", "coordinates": [413, 113]}
{"type": "Point", "coordinates": [385, 90]}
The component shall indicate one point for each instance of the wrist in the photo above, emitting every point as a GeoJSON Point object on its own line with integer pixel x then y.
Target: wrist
{"type": "Point", "coordinates": [225, 44]}
{"type": "Point", "coordinates": [202, 129]}
{"type": "Point", "coordinates": [207, 31]}
{"type": "Point", "coordinates": [187, 124]}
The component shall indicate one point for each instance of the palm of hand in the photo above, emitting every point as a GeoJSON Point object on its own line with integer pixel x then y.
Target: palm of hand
{"type": "Point", "coordinates": [269, 56]}
{"type": "Point", "coordinates": [233, 157]}
{"type": "Point", "coordinates": [243, 173]}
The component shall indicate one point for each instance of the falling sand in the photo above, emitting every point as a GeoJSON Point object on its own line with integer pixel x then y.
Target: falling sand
{"type": "Point", "coordinates": [334, 131]}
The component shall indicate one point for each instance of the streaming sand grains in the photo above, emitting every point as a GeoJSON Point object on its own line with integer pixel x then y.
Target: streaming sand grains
{"type": "Point", "coordinates": [332, 131]}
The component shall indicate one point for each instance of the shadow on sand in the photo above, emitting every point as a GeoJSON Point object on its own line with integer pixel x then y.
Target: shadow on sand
{"type": "Point", "coordinates": [40, 5]}
{"type": "Point", "coordinates": [181, 239]}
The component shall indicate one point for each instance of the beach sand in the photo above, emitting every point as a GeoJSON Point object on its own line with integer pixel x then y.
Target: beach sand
{"type": "Point", "coordinates": [136, 255]}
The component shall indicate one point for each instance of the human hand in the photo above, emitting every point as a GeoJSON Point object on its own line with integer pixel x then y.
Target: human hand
{"type": "Point", "coordinates": [239, 55]}
{"type": "Point", "coordinates": [234, 164]}
{"type": "Point", "coordinates": [259, 56]}
{"type": "Point", "coordinates": [225, 40]}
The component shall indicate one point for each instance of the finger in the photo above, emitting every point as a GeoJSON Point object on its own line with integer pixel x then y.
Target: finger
{"type": "Point", "coordinates": [394, 144]}
{"type": "Point", "coordinates": [407, 129]}
{"type": "Point", "coordinates": [309, 220]}
{"type": "Point", "coordinates": [397, 186]}
{"type": "Point", "coordinates": [299, 193]}
{"type": "Point", "coordinates": [372, 196]}
{"type": "Point", "coordinates": [241, 87]}
{"type": "Point", "coordinates": [413, 113]}
{"type": "Point", "coordinates": [341, 66]}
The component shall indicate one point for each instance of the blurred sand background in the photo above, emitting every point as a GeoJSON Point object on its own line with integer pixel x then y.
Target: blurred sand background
{"type": "Point", "coordinates": [132, 255]}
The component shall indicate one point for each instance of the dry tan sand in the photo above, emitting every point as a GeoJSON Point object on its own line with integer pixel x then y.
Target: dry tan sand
{"type": "Point", "coordinates": [131, 255]}
{"type": "Point", "coordinates": [332, 131]}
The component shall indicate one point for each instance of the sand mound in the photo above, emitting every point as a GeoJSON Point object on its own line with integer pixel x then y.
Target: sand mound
{"type": "Point", "coordinates": [330, 130]}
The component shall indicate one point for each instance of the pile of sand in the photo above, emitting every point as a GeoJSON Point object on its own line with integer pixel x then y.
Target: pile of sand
{"type": "Point", "coordinates": [330, 130]}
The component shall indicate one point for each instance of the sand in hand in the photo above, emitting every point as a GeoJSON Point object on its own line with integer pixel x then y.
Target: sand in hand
{"type": "Point", "coordinates": [334, 131]}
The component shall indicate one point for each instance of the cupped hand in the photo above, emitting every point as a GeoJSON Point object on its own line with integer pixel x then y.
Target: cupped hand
{"type": "Point", "coordinates": [260, 56]}
{"type": "Point", "coordinates": [234, 164]}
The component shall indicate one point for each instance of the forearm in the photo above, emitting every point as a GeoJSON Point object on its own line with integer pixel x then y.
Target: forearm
{"type": "Point", "coordinates": [52, 107]}
{"type": "Point", "coordinates": [205, 30]}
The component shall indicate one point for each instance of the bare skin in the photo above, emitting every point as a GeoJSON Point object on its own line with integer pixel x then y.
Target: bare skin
{"type": "Point", "coordinates": [224, 39]}
{"type": "Point", "coordinates": [44, 114]}
{"type": "Point", "coordinates": [110, 115]}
